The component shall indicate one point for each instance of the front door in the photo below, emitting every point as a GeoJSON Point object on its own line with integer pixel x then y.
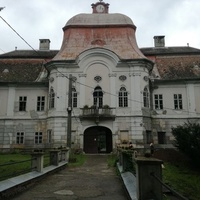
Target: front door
{"type": "Point", "coordinates": [97, 140]}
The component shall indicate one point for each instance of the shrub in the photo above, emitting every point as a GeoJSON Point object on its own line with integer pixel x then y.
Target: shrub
{"type": "Point", "coordinates": [187, 140]}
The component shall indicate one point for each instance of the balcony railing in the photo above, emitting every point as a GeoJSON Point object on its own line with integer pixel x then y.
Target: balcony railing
{"type": "Point", "coordinates": [101, 113]}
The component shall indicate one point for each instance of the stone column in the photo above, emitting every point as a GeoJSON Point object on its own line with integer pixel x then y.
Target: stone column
{"type": "Point", "coordinates": [54, 157]}
{"type": "Point", "coordinates": [37, 161]}
{"type": "Point", "coordinates": [11, 103]}
{"type": "Point", "coordinates": [148, 187]}
{"type": "Point", "coordinates": [113, 90]}
{"type": "Point", "coordinates": [65, 155]}
{"type": "Point", "coordinates": [191, 100]}
{"type": "Point", "coordinates": [82, 102]}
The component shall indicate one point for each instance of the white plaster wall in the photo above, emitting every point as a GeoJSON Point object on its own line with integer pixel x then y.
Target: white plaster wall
{"type": "Point", "coordinates": [32, 93]}
{"type": "Point", "coordinates": [168, 92]}
{"type": "Point", "coordinates": [102, 71]}
{"type": "Point", "coordinates": [3, 101]}
{"type": "Point", "coordinates": [197, 98]}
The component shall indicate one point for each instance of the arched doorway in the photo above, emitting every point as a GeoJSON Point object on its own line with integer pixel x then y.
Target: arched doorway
{"type": "Point", "coordinates": [98, 139]}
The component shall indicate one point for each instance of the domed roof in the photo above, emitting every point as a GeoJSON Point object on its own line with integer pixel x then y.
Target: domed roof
{"type": "Point", "coordinates": [114, 32]}
{"type": "Point", "coordinates": [99, 19]}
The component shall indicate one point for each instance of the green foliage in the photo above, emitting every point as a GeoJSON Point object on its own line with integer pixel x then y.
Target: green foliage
{"type": "Point", "coordinates": [76, 160]}
{"type": "Point", "coordinates": [112, 160]}
{"type": "Point", "coordinates": [12, 170]}
{"type": "Point", "coordinates": [9, 171]}
{"type": "Point", "coordinates": [187, 140]}
{"type": "Point", "coordinates": [183, 180]}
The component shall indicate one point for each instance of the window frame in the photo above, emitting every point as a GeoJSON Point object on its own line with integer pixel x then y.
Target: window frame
{"type": "Point", "coordinates": [74, 98]}
{"type": "Point", "coordinates": [51, 99]}
{"type": "Point", "coordinates": [158, 101]}
{"type": "Point", "coordinates": [22, 103]}
{"type": "Point", "coordinates": [149, 137]}
{"type": "Point", "coordinates": [123, 98]}
{"type": "Point", "coordinates": [38, 137]}
{"type": "Point", "coordinates": [49, 136]}
{"type": "Point", "coordinates": [98, 97]}
{"type": "Point", "coordinates": [40, 103]}
{"type": "Point", "coordinates": [178, 101]}
{"type": "Point", "coordinates": [146, 102]}
{"type": "Point", "coordinates": [161, 137]}
{"type": "Point", "coordinates": [20, 137]}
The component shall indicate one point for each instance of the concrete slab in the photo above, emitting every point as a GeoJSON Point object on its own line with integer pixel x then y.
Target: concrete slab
{"type": "Point", "coordinates": [129, 181]}
{"type": "Point", "coordinates": [15, 181]}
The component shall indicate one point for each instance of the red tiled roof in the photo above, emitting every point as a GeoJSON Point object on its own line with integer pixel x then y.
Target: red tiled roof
{"type": "Point", "coordinates": [178, 67]}
{"type": "Point", "coordinates": [20, 70]}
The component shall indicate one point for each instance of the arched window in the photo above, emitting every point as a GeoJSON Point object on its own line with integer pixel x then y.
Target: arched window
{"type": "Point", "coordinates": [51, 99]}
{"type": "Point", "coordinates": [146, 97]}
{"type": "Point", "coordinates": [98, 97]}
{"type": "Point", "coordinates": [123, 97]}
{"type": "Point", "coordinates": [74, 98]}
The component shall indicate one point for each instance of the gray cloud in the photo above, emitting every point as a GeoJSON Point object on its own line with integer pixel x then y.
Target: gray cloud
{"type": "Point", "coordinates": [33, 20]}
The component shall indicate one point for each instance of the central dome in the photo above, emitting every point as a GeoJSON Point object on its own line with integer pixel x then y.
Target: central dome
{"type": "Point", "coordinates": [99, 19]}
{"type": "Point", "coordinates": [114, 32]}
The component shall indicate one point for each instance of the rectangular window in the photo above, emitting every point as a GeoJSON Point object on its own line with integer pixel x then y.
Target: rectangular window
{"type": "Point", "coordinates": [98, 101]}
{"type": "Point", "coordinates": [124, 136]}
{"type": "Point", "coordinates": [161, 138]}
{"type": "Point", "coordinates": [178, 102]}
{"type": "Point", "coordinates": [49, 136]}
{"type": "Point", "coordinates": [20, 138]}
{"type": "Point", "coordinates": [22, 103]}
{"type": "Point", "coordinates": [40, 103]}
{"type": "Point", "coordinates": [51, 99]}
{"type": "Point", "coordinates": [74, 99]}
{"type": "Point", "coordinates": [38, 137]}
{"type": "Point", "coordinates": [146, 98]}
{"type": "Point", "coordinates": [158, 99]}
{"type": "Point", "coordinates": [123, 99]}
{"type": "Point", "coordinates": [148, 137]}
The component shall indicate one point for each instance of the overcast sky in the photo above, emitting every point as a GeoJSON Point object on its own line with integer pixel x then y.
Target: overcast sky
{"type": "Point", "coordinates": [178, 20]}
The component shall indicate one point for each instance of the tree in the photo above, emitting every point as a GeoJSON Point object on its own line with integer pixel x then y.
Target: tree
{"type": "Point", "coordinates": [187, 140]}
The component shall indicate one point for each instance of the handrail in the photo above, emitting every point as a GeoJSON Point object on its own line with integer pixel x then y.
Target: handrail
{"type": "Point", "coordinates": [37, 162]}
{"type": "Point", "coordinates": [17, 162]}
{"type": "Point", "coordinates": [17, 173]}
{"type": "Point", "coordinates": [170, 189]}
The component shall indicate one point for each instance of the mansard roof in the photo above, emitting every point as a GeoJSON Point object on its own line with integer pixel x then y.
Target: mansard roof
{"type": "Point", "coordinates": [48, 54]}
{"type": "Point", "coordinates": [20, 70]}
{"type": "Point", "coordinates": [171, 63]}
{"type": "Point", "coordinates": [174, 63]}
{"type": "Point", "coordinates": [169, 50]}
{"type": "Point", "coordinates": [178, 67]}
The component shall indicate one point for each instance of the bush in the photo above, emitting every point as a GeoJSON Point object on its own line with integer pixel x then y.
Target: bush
{"type": "Point", "coordinates": [187, 140]}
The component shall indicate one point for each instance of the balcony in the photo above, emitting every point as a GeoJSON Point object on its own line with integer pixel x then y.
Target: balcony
{"type": "Point", "coordinates": [97, 114]}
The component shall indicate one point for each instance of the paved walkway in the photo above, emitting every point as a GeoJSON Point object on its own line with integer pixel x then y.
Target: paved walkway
{"type": "Point", "coordinates": [92, 181]}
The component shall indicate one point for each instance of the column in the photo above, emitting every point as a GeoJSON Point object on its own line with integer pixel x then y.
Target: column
{"type": "Point", "coordinates": [37, 161]}
{"type": "Point", "coordinates": [113, 90]}
{"type": "Point", "coordinates": [191, 99]}
{"type": "Point", "coordinates": [11, 101]}
{"type": "Point", "coordinates": [148, 187]}
{"type": "Point", "coordinates": [82, 90]}
{"type": "Point", "coordinates": [54, 157]}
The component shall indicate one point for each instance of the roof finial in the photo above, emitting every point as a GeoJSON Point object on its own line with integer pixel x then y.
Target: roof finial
{"type": "Point", "coordinates": [100, 0]}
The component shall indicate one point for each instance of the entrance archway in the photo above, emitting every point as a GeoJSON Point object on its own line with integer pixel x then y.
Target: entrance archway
{"type": "Point", "coordinates": [97, 139]}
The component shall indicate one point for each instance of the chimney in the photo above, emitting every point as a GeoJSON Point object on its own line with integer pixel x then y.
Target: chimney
{"type": "Point", "coordinates": [44, 44]}
{"type": "Point", "coordinates": [159, 41]}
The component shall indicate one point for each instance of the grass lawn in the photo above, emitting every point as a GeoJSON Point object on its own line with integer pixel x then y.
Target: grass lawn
{"type": "Point", "coordinates": [12, 170]}
{"type": "Point", "coordinates": [9, 171]}
{"type": "Point", "coordinates": [76, 160]}
{"type": "Point", "coordinates": [183, 179]}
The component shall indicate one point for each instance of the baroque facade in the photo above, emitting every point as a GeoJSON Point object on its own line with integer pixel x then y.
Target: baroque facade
{"type": "Point", "coordinates": [114, 92]}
